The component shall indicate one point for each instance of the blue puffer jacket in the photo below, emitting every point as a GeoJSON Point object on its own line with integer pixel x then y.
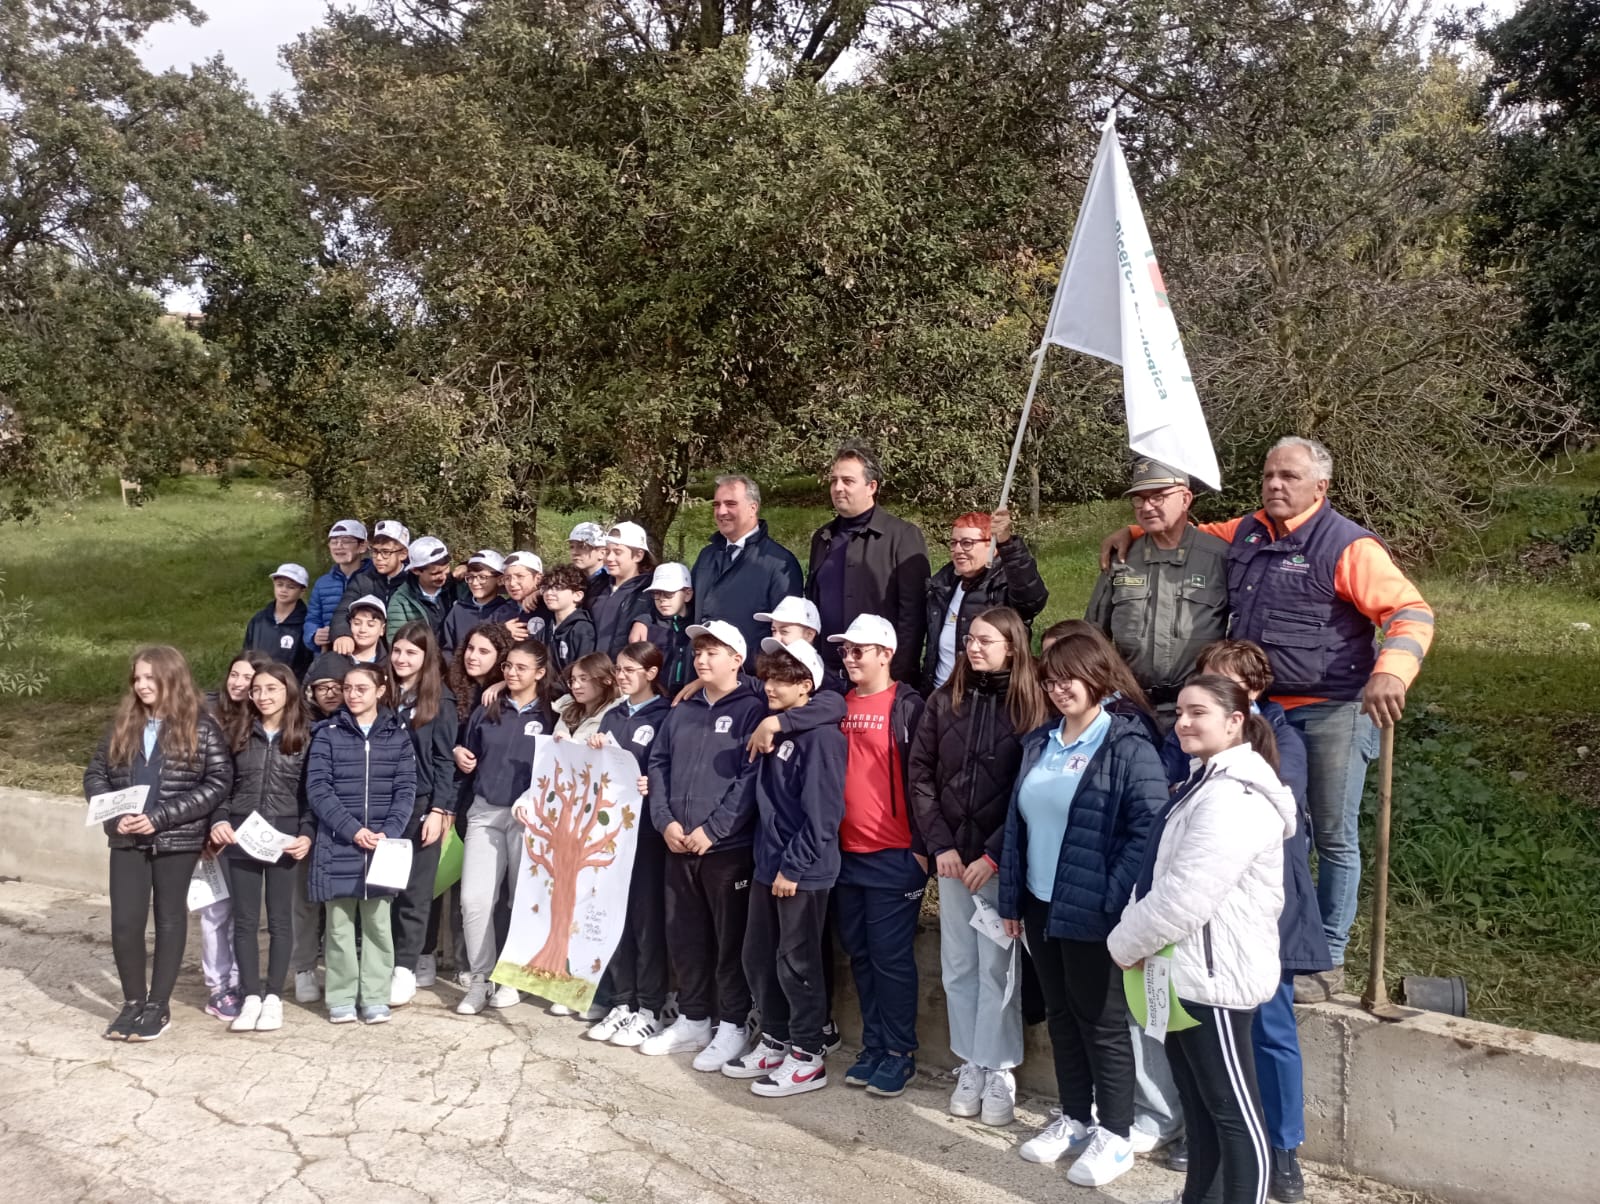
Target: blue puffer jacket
{"type": "Point", "coordinates": [1122, 790]}
{"type": "Point", "coordinates": [356, 781]}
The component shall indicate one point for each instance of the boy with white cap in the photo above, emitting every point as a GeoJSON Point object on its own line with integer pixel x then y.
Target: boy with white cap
{"type": "Point", "coordinates": [368, 617]}
{"type": "Point", "coordinates": [347, 546]}
{"type": "Point", "coordinates": [378, 578]}
{"type": "Point", "coordinates": [670, 591]}
{"type": "Point", "coordinates": [483, 603]}
{"type": "Point", "coordinates": [883, 868]}
{"type": "Point", "coordinates": [615, 608]}
{"type": "Point", "coordinates": [428, 592]}
{"type": "Point", "coordinates": [586, 548]}
{"type": "Point", "coordinates": [799, 794]}
{"type": "Point", "coordinates": [526, 616]}
{"type": "Point", "coordinates": [278, 630]}
{"type": "Point", "coordinates": [702, 802]}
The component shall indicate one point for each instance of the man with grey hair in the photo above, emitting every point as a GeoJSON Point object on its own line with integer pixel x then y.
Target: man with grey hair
{"type": "Point", "coordinates": [742, 571]}
{"type": "Point", "coordinates": [1313, 589]}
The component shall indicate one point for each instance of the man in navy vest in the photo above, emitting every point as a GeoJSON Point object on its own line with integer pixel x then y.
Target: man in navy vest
{"type": "Point", "coordinates": [1313, 588]}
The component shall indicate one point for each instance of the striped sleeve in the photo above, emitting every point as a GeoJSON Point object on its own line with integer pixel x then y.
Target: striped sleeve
{"type": "Point", "coordinates": [1368, 578]}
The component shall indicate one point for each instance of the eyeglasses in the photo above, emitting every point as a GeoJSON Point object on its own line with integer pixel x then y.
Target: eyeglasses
{"type": "Point", "coordinates": [482, 575]}
{"type": "Point", "coordinates": [966, 545]}
{"type": "Point", "coordinates": [985, 641]}
{"type": "Point", "coordinates": [1154, 499]}
{"type": "Point", "coordinates": [855, 652]}
{"type": "Point", "coordinates": [1058, 685]}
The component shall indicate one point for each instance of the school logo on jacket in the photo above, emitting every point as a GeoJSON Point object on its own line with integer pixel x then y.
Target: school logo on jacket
{"type": "Point", "coordinates": [533, 728]}
{"type": "Point", "coordinates": [562, 648]}
{"type": "Point", "coordinates": [724, 724]}
{"type": "Point", "coordinates": [644, 735]}
{"type": "Point", "coordinates": [286, 642]}
{"type": "Point", "coordinates": [1077, 763]}
{"type": "Point", "coordinates": [786, 751]}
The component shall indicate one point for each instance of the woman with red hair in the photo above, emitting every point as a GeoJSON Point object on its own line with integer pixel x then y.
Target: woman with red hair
{"type": "Point", "coordinates": [989, 566]}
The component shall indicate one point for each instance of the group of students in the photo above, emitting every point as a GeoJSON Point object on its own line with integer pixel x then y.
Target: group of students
{"type": "Point", "coordinates": [789, 809]}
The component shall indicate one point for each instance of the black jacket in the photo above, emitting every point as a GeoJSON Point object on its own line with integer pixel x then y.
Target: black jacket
{"type": "Point", "coordinates": [761, 576]}
{"type": "Point", "coordinates": [434, 745]}
{"type": "Point", "coordinates": [1011, 579]}
{"type": "Point", "coordinates": [268, 780]}
{"type": "Point", "coordinates": [886, 573]}
{"type": "Point", "coordinates": [963, 767]}
{"type": "Point", "coordinates": [182, 797]}
{"type": "Point", "coordinates": [284, 642]}
{"type": "Point", "coordinates": [571, 639]}
{"type": "Point", "coordinates": [366, 580]}
{"type": "Point", "coordinates": [614, 612]}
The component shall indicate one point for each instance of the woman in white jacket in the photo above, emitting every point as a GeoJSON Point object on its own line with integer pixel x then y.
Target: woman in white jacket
{"type": "Point", "coordinates": [1212, 886]}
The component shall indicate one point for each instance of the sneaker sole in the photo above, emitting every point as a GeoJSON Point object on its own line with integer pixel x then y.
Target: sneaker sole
{"type": "Point", "coordinates": [376, 1019]}
{"type": "Point", "coordinates": [747, 1072]}
{"type": "Point", "coordinates": [765, 1092]}
{"type": "Point", "coordinates": [341, 1019]}
{"type": "Point", "coordinates": [141, 1039]}
{"type": "Point", "coordinates": [1088, 1181]}
{"type": "Point", "coordinates": [990, 1118]}
{"type": "Point", "coordinates": [234, 1028]}
{"type": "Point", "coordinates": [964, 1111]}
{"type": "Point", "coordinates": [1040, 1160]}
{"type": "Point", "coordinates": [850, 1082]}
{"type": "Point", "coordinates": [594, 1036]}
{"type": "Point", "coordinates": [887, 1092]}
{"type": "Point", "coordinates": [508, 1004]}
{"type": "Point", "coordinates": [660, 1053]}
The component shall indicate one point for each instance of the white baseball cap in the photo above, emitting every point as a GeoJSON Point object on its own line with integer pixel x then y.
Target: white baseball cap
{"type": "Point", "coordinates": [427, 551]}
{"type": "Point", "coordinates": [370, 602]}
{"type": "Point", "coordinates": [354, 528]}
{"type": "Point", "coordinates": [869, 629]}
{"type": "Point", "coordinates": [719, 629]}
{"type": "Point", "coordinates": [670, 577]}
{"type": "Point", "coordinates": [489, 559]}
{"type": "Point", "coordinates": [527, 560]}
{"type": "Point", "coordinates": [629, 535]}
{"type": "Point", "coordinates": [802, 652]}
{"type": "Point", "coordinates": [592, 534]}
{"type": "Point", "coordinates": [792, 609]}
{"type": "Point", "coordinates": [389, 529]}
{"type": "Point", "coordinates": [293, 572]}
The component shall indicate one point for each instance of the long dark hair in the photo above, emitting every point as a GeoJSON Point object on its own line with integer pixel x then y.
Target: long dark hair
{"type": "Point", "coordinates": [647, 656]}
{"type": "Point", "coordinates": [466, 690]}
{"type": "Point", "coordinates": [178, 702]}
{"type": "Point", "coordinates": [1083, 652]}
{"type": "Point", "coordinates": [294, 730]}
{"type": "Point", "coordinates": [541, 657]}
{"type": "Point", "coordinates": [1025, 701]}
{"type": "Point", "coordinates": [424, 690]}
{"type": "Point", "coordinates": [1233, 698]}
{"type": "Point", "coordinates": [234, 718]}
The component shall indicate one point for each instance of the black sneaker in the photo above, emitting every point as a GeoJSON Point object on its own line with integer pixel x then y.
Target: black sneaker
{"type": "Point", "coordinates": [831, 1040]}
{"type": "Point", "coordinates": [121, 1028]}
{"type": "Point", "coordinates": [1288, 1184]}
{"type": "Point", "coordinates": [1178, 1154]}
{"type": "Point", "coordinates": [153, 1021]}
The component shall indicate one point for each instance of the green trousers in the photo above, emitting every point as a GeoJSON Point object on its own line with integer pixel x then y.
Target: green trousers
{"type": "Point", "coordinates": [372, 971]}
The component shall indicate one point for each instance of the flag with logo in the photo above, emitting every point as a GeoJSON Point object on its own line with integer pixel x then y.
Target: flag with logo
{"type": "Point", "coordinates": [1111, 303]}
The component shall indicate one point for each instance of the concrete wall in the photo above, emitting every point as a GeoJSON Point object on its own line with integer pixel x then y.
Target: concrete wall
{"type": "Point", "coordinates": [1461, 1110]}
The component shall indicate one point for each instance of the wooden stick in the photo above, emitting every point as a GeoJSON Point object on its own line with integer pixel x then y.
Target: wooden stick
{"type": "Point", "coordinates": [1377, 994]}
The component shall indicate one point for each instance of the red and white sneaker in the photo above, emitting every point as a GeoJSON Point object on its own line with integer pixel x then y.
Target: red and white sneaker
{"type": "Point", "coordinates": [765, 1058]}
{"type": "Point", "coordinates": [800, 1072]}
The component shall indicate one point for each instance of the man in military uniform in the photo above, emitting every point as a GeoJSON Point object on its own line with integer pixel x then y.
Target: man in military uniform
{"type": "Point", "coordinates": [1169, 598]}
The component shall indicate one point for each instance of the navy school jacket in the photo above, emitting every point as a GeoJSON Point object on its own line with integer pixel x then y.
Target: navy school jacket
{"type": "Point", "coordinates": [466, 614]}
{"type": "Point", "coordinates": [356, 781]}
{"type": "Point", "coordinates": [365, 580]}
{"type": "Point", "coordinates": [571, 639]}
{"type": "Point", "coordinates": [700, 774]}
{"type": "Point", "coordinates": [635, 734]}
{"type": "Point", "coordinates": [284, 642]}
{"type": "Point", "coordinates": [504, 744]}
{"type": "Point", "coordinates": [799, 793]}
{"type": "Point", "coordinates": [434, 745]}
{"type": "Point", "coordinates": [615, 610]}
{"type": "Point", "coordinates": [677, 650]}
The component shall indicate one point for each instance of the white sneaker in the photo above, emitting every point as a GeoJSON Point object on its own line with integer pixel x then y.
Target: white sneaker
{"type": "Point", "coordinates": [999, 1105]}
{"type": "Point", "coordinates": [799, 1073]}
{"type": "Point", "coordinates": [1062, 1135]}
{"type": "Point", "coordinates": [271, 1015]}
{"type": "Point", "coordinates": [476, 998]}
{"type": "Point", "coordinates": [593, 1013]}
{"type": "Point", "coordinates": [402, 987]}
{"type": "Point", "coordinates": [427, 970]}
{"type": "Point", "coordinates": [1108, 1157]}
{"type": "Point", "coordinates": [638, 1028]}
{"type": "Point", "coordinates": [681, 1037]}
{"type": "Point", "coordinates": [610, 1023]}
{"type": "Point", "coordinates": [730, 1042]}
{"type": "Point", "coordinates": [669, 1009]}
{"type": "Point", "coordinates": [306, 989]}
{"type": "Point", "coordinates": [561, 1009]}
{"type": "Point", "coordinates": [504, 996]}
{"type": "Point", "coordinates": [1143, 1140]}
{"type": "Point", "coordinates": [249, 1013]}
{"type": "Point", "coordinates": [765, 1058]}
{"type": "Point", "coordinates": [967, 1098]}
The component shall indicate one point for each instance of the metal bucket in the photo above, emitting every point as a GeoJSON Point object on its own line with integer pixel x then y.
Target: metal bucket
{"type": "Point", "coordinates": [1445, 995]}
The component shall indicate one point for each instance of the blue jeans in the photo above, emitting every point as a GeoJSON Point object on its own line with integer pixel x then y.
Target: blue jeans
{"type": "Point", "coordinates": [1279, 1073]}
{"type": "Point", "coordinates": [1340, 743]}
{"type": "Point", "coordinates": [877, 928]}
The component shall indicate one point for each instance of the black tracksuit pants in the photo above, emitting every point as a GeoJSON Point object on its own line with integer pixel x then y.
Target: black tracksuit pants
{"type": "Point", "coordinates": [410, 915]}
{"type": "Point", "coordinates": [636, 975]}
{"type": "Point", "coordinates": [248, 881]}
{"type": "Point", "coordinates": [1087, 1017]}
{"type": "Point", "coordinates": [708, 903]}
{"type": "Point", "coordinates": [1214, 1067]}
{"type": "Point", "coordinates": [138, 877]}
{"type": "Point", "coordinates": [784, 966]}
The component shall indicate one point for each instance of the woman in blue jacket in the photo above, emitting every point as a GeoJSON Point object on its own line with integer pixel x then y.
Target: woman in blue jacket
{"type": "Point", "coordinates": [361, 783]}
{"type": "Point", "coordinates": [1087, 793]}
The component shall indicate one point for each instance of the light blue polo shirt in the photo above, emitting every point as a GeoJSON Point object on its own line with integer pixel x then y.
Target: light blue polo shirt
{"type": "Point", "coordinates": [1045, 799]}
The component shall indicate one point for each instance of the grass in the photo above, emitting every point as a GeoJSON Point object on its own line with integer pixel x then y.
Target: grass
{"type": "Point", "coordinates": [1496, 868]}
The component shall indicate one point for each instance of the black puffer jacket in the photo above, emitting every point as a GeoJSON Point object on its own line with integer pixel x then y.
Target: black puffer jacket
{"type": "Point", "coordinates": [182, 796]}
{"type": "Point", "coordinates": [1011, 579]}
{"type": "Point", "coordinates": [268, 780]}
{"type": "Point", "coordinates": [963, 767]}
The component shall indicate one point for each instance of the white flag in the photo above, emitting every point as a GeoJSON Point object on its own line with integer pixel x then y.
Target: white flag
{"type": "Point", "coordinates": [1112, 304]}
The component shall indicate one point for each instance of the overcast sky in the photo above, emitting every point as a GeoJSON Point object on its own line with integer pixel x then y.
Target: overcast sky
{"type": "Point", "coordinates": [247, 33]}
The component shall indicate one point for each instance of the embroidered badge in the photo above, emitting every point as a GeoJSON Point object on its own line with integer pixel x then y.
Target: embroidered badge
{"type": "Point", "coordinates": [644, 735]}
{"type": "Point", "coordinates": [1295, 564]}
{"type": "Point", "coordinates": [725, 724]}
{"type": "Point", "coordinates": [286, 642]}
{"type": "Point", "coordinates": [563, 647]}
{"type": "Point", "coordinates": [1253, 538]}
{"type": "Point", "coordinates": [533, 728]}
{"type": "Point", "coordinates": [1198, 580]}
{"type": "Point", "coordinates": [786, 751]}
{"type": "Point", "coordinates": [1077, 763]}
{"type": "Point", "coordinates": [1126, 579]}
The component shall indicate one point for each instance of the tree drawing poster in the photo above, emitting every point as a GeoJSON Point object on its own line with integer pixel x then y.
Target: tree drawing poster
{"type": "Point", "coordinates": [579, 824]}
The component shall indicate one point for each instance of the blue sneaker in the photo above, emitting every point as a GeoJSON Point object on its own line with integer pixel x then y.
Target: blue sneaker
{"type": "Point", "coordinates": [224, 1004]}
{"type": "Point", "coordinates": [344, 1013]}
{"type": "Point", "coordinates": [378, 1013]}
{"type": "Point", "coordinates": [860, 1074]}
{"type": "Point", "coordinates": [892, 1075]}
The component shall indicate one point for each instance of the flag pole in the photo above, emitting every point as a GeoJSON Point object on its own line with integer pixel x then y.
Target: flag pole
{"type": "Point", "coordinates": [1022, 426]}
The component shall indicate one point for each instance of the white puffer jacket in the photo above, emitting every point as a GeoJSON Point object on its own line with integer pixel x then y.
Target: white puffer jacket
{"type": "Point", "coordinates": [1218, 886]}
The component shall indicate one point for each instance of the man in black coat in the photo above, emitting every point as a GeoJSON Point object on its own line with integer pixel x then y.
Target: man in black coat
{"type": "Point", "coordinates": [867, 561]}
{"type": "Point", "coordinates": [742, 570]}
